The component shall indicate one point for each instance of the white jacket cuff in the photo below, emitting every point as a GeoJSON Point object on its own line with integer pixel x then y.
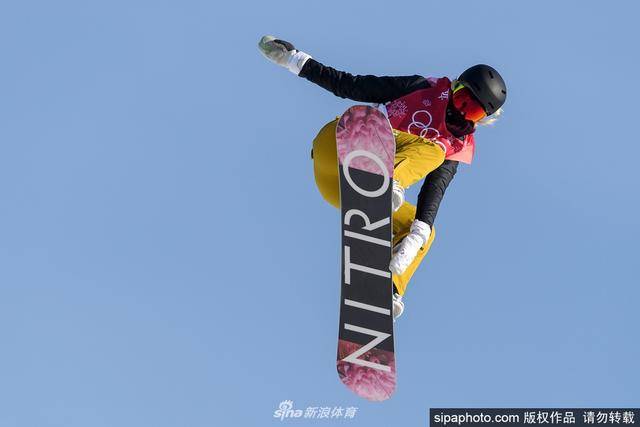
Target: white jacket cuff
{"type": "Point", "coordinates": [297, 61]}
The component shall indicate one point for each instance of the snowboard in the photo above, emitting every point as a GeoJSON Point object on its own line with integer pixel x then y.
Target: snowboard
{"type": "Point", "coordinates": [366, 151]}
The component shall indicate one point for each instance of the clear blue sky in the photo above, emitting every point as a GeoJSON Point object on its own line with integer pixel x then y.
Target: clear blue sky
{"type": "Point", "coordinates": [165, 259]}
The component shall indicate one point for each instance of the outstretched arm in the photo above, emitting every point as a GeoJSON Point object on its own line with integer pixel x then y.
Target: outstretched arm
{"type": "Point", "coordinates": [365, 88]}
{"type": "Point", "coordinates": [358, 88]}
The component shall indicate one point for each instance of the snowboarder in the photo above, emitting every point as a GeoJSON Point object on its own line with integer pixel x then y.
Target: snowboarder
{"type": "Point", "coordinates": [434, 120]}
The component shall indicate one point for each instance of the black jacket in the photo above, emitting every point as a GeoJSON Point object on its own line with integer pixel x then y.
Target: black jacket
{"type": "Point", "coordinates": [386, 89]}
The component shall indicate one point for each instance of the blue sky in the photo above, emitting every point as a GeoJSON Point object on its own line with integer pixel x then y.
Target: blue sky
{"type": "Point", "coordinates": [165, 259]}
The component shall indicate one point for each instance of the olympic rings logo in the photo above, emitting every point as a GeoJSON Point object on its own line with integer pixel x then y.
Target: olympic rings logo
{"type": "Point", "coordinates": [422, 127]}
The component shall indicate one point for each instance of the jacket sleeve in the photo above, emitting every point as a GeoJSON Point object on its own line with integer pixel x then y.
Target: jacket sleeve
{"type": "Point", "coordinates": [432, 191]}
{"type": "Point", "coordinates": [361, 88]}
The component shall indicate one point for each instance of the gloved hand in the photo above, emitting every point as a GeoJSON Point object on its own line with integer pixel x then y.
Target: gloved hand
{"type": "Point", "coordinates": [405, 252]}
{"type": "Point", "coordinates": [283, 53]}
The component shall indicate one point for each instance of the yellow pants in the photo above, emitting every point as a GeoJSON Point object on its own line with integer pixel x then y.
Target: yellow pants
{"type": "Point", "coordinates": [415, 158]}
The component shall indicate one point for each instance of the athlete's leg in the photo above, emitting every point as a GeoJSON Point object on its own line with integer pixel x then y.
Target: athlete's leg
{"type": "Point", "coordinates": [416, 157]}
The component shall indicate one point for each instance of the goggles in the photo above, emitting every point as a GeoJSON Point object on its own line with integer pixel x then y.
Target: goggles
{"type": "Point", "coordinates": [466, 103]}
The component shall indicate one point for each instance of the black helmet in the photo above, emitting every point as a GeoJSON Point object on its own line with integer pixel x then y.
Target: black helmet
{"type": "Point", "coordinates": [487, 85]}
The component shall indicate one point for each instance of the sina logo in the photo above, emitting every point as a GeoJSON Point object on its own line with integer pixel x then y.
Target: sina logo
{"type": "Point", "coordinates": [285, 410]}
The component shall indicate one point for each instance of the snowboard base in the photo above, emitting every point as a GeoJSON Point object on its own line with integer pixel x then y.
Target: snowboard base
{"type": "Point", "coordinates": [366, 151]}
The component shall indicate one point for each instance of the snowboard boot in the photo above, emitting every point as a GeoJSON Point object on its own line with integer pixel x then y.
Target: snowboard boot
{"type": "Point", "coordinates": [398, 306]}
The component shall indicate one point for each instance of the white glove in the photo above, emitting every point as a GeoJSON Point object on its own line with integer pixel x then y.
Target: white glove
{"type": "Point", "coordinates": [405, 252]}
{"type": "Point", "coordinates": [283, 53]}
{"type": "Point", "coordinates": [397, 196]}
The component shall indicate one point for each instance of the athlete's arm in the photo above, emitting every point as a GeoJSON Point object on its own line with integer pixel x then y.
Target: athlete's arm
{"type": "Point", "coordinates": [432, 191]}
{"type": "Point", "coordinates": [361, 88]}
